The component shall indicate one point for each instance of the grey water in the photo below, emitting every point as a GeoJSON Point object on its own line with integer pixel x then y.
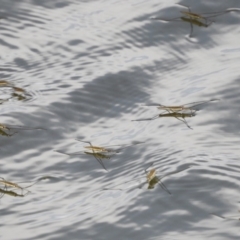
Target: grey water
{"type": "Point", "coordinates": [85, 70]}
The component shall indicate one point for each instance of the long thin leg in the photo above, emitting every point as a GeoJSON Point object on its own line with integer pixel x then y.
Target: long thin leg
{"type": "Point", "coordinates": [164, 187]}
{"type": "Point", "coordinates": [197, 104]}
{"type": "Point", "coordinates": [168, 174]}
{"type": "Point", "coordinates": [122, 146]}
{"type": "Point", "coordinates": [2, 194]}
{"type": "Point", "coordinates": [98, 159]}
{"type": "Point", "coordinates": [69, 154]}
{"type": "Point", "coordinates": [174, 172]}
{"type": "Point", "coordinates": [9, 127]}
{"type": "Point", "coordinates": [184, 121]}
{"type": "Point", "coordinates": [167, 20]}
{"type": "Point", "coordinates": [191, 32]}
{"type": "Point", "coordinates": [148, 167]}
{"type": "Point", "coordinates": [84, 142]}
{"type": "Point", "coordinates": [141, 185]}
{"type": "Point", "coordinates": [146, 119]}
{"type": "Point", "coordinates": [100, 162]}
{"type": "Point", "coordinates": [227, 218]}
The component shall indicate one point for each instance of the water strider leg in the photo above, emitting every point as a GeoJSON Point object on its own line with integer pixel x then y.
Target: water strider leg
{"type": "Point", "coordinates": [98, 159]}
{"type": "Point", "coordinates": [164, 187]}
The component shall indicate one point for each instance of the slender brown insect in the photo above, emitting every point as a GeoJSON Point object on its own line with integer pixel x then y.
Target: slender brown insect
{"type": "Point", "coordinates": [100, 153]}
{"type": "Point", "coordinates": [9, 184]}
{"type": "Point", "coordinates": [151, 179]}
{"type": "Point", "coordinates": [179, 112]}
{"type": "Point", "coordinates": [11, 193]}
{"type": "Point", "coordinates": [198, 19]}
{"type": "Point", "coordinates": [181, 108]}
{"type": "Point", "coordinates": [4, 83]}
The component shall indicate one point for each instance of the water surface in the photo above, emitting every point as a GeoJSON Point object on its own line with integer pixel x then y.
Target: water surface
{"type": "Point", "coordinates": [89, 67]}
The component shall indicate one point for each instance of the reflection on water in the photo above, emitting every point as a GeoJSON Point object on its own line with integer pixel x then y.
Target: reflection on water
{"type": "Point", "coordinates": [94, 63]}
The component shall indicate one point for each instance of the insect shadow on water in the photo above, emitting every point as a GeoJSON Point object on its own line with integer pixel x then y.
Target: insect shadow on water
{"type": "Point", "coordinates": [100, 153]}
{"type": "Point", "coordinates": [151, 179]}
{"type": "Point", "coordinates": [228, 217]}
{"type": "Point", "coordinates": [179, 112]}
{"type": "Point", "coordinates": [198, 19]}
{"type": "Point", "coordinates": [15, 186]}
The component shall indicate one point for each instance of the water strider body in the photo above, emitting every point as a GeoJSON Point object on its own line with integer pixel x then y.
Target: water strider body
{"type": "Point", "coordinates": [180, 112]}
{"type": "Point", "coordinates": [195, 22]}
{"type": "Point", "coordinates": [181, 108]}
{"type": "Point", "coordinates": [152, 179]}
{"type": "Point", "coordinates": [98, 152]}
{"type": "Point", "coordinates": [179, 116]}
{"type": "Point", "coordinates": [11, 193]}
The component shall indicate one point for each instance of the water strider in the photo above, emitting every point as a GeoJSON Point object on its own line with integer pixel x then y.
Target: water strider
{"type": "Point", "coordinates": [198, 19]}
{"type": "Point", "coordinates": [180, 112]}
{"type": "Point", "coordinates": [100, 153]}
{"type": "Point", "coordinates": [181, 108]}
{"type": "Point", "coordinates": [151, 179]}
